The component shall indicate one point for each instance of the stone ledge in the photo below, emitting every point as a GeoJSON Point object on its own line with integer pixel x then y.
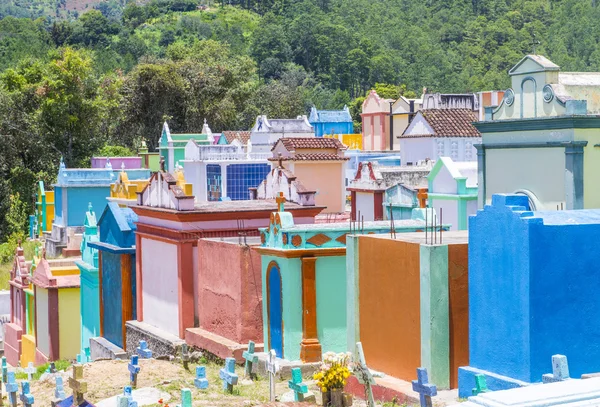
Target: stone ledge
{"type": "Point", "coordinates": [161, 343]}
{"type": "Point", "coordinates": [102, 348]}
{"type": "Point", "coordinates": [285, 367]}
{"type": "Point", "coordinates": [217, 345]}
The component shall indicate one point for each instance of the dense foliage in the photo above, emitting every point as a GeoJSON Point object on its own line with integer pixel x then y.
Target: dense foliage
{"type": "Point", "coordinates": [74, 82]}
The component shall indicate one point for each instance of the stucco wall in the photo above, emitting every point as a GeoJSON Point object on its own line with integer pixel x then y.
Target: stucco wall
{"type": "Point", "coordinates": [365, 206]}
{"type": "Point", "coordinates": [160, 285]}
{"type": "Point", "coordinates": [230, 298]}
{"type": "Point", "coordinates": [458, 291]}
{"type": "Point", "coordinates": [111, 297]}
{"type": "Point", "coordinates": [41, 314]}
{"type": "Point", "coordinates": [591, 167]}
{"type": "Point", "coordinates": [389, 302]}
{"type": "Point", "coordinates": [90, 307]}
{"type": "Point", "coordinates": [327, 179]}
{"type": "Point", "coordinates": [449, 210]}
{"type": "Point", "coordinates": [416, 149]}
{"type": "Point", "coordinates": [541, 170]}
{"type": "Point", "coordinates": [69, 330]}
{"type": "Point", "coordinates": [331, 302]}
{"type": "Point", "coordinates": [78, 200]}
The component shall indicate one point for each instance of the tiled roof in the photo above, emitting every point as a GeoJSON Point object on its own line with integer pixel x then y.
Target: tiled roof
{"type": "Point", "coordinates": [242, 136]}
{"type": "Point", "coordinates": [312, 157]}
{"type": "Point", "coordinates": [449, 123]}
{"type": "Point", "coordinates": [295, 143]}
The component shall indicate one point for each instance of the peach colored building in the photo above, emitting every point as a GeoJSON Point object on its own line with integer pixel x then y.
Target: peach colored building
{"type": "Point", "coordinates": [320, 164]}
{"type": "Point", "coordinates": [376, 122]}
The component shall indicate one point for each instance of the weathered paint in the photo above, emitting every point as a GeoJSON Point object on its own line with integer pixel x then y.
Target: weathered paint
{"type": "Point", "coordinates": [69, 314]}
{"type": "Point", "coordinates": [435, 352]}
{"type": "Point", "coordinates": [389, 305]}
{"type": "Point", "coordinates": [519, 265]}
{"type": "Point", "coordinates": [229, 298]}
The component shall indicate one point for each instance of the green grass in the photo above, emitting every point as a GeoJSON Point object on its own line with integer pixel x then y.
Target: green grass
{"type": "Point", "coordinates": [40, 370]}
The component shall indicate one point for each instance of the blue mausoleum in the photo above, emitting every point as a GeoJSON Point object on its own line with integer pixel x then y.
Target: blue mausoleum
{"type": "Point", "coordinates": [331, 121]}
{"type": "Point", "coordinates": [533, 293]}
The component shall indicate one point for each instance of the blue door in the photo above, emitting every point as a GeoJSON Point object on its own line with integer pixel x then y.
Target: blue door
{"type": "Point", "coordinates": [275, 319]}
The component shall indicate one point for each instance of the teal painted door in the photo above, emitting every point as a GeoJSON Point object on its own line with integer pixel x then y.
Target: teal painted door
{"type": "Point", "coordinates": [275, 317]}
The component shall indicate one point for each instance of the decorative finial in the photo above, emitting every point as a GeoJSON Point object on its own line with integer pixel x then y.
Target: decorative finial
{"type": "Point", "coordinates": [62, 163]}
{"type": "Point", "coordinates": [534, 42]}
{"type": "Point", "coordinates": [280, 201]}
{"type": "Point", "coordinates": [122, 165]}
{"type": "Point", "coordinates": [90, 209]}
{"type": "Point", "coordinates": [162, 164]}
{"type": "Point", "coordinates": [108, 164]}
{"type": "Point", "coordinates": [205, 120]}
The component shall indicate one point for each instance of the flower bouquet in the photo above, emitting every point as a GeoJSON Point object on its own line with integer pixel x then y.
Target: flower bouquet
{"type": "Point", "coordinates": [331, 379]}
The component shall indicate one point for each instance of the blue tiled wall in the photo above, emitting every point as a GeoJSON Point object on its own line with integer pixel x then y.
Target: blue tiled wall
{"type": "Point", "coordinates": [240, 177]}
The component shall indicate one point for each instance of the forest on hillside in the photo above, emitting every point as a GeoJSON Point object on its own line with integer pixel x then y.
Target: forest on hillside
{"type": "Point", "coordinates": [77, 84]}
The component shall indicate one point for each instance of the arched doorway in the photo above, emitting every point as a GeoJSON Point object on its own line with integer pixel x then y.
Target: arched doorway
{"type": "Point", "coordinates": [274, 307]}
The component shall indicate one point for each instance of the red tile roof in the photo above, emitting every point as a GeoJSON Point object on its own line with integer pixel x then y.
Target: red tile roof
{"type": "Point", "coordinates": [449, 123]}
{"type": "Point", "coordinates": [312, 157]}
{"type": "Point", "coordinates": [242, 136]}
{"type": "Point", "coordinates": [295, 143]}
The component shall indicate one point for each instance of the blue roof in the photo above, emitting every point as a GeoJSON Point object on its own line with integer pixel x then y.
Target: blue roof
{"type": "Point", "coordinates": [330, 116]}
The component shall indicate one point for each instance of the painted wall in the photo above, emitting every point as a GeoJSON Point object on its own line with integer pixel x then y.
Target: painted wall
{"type": "Point", "coordinates": [519, 267]}
{"type": "Point", "coordinates": [291, 283]}
{"type": "Point", "coordinates": [111, 297]}
{"type": "Point", "coordinates": [28, 350]}
{"type": "Point", "coordinates": [591, 167]}
{"type": "Point", "coordinates": [41, 315]}
{"type": "Point", "coordinates": [449, 210]}
{"type": "Point", "coordinates": [160, 285]}
{"type": "Point", "coordinates": [331, 302]}
{"type": "Point", "coordinates": [389, 305]}
{"type": "Point", "coordinates": [322, 129]}
{"type": "Point", "coordinates": [420, 148]}
{"type": "Point", "coordinates": [69, 333]}
{"type": "Point", "coordinates": [78, 200]}
{"type": "Point", "coordinates": [541, 170]}
{"type": "Point", "coordinates": [365, 204]}
{"type": "Point", "coordinates": [458, 293]}
{"type": "Point", "coordinates": [90, 307]}
{"type": "Point", "coordinates": [230, 298]}
{"type": "Point", "coordinates": [328, 179]}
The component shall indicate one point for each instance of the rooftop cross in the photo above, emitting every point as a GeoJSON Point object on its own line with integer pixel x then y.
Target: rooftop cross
{"type": "Point", "coordinates": [78, 385]}
{"type": "Point", "coordinates": [162, 164]}
{"type": "Point", "coordinates": [90, 208]}
{"type": "Point", "coordinates": [534, 42]}
{"type": "Point", "coordinates": [425, 389]}
{"type": "Point", "coordinates": [280, 201]}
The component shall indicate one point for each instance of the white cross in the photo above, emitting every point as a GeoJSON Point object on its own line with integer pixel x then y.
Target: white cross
{"type": "Point", "coordinates": [30, 370]}
{"type": "Point", "coordinates": [364, 376]}
{"type": "Point", "coordinates": [272, 368]}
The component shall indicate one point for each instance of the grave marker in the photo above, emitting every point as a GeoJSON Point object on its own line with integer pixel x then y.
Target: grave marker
{"type": "Point", "coordinates": [78, 385]}
{"type": "Point", "coordinates": [134, 369]}
{"type": "Point", "coordinates": [26, 396]}
{"type": "Point", "coordinates": [59, 392]}
{"type": "Point", "coordinates": [480, 385]}
{"type": "Point", "coordinates": [30, 370]}
{"type": "Point", "coordinates": [4, 370]}
{"type": "Point", "coordinates": [126, 400]}
{"type": "Point", "coordinates": [186, 398]}
{"type": "Point", "coordinates": [12, 388]}
{"type": "Point", "coordinates": [560, 370]}
{"type": "Point", "coordinates": [143, 351]}
{"type": "Point", "coordinates": [250, 358]}
{"type": "Point", "coordinates": [227, 374]}
{"type": "Point", "coordinates": [185, 356]}
{"type": "Point", "coordinates": [297, 385]}
{"type": "Point", "coordinates": [272, 369]}
{"type": "Point", "coordinates": [364, 376]}
{"type": "Point", "coordinates": [201, 382]}
{"type": "Point", "coordinates": [425, 389]}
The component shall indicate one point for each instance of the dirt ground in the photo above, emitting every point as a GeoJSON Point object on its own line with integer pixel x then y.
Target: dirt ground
{"type": "Point", "coordinates": [107, 378]}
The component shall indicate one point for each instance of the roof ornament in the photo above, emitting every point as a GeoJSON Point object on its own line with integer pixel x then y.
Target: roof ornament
{"type": "Point", "coordinates": [90, 209]}
{"type": "Point", "coordinates": [534, 42]}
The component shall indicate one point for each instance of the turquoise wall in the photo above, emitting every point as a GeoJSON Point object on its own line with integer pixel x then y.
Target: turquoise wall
{"type": "Point", "coordinates": [78, 200]}
{"type": "Point", "coordinates": [90, 305]}
{"type": "Point", "coordinates": [331, 303]}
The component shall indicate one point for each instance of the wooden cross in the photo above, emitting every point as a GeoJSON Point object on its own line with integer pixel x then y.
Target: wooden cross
{"type": "Point", "coordinates": [30, 370]}
{"type": "Point", "coordinates": [364, 376]}
{"type": "Point", "coordinates": [560, 370]}
{"type": "Point", "coordinates": [201, 382]}
{"type": "Point", "coordinates": [425, 389]}
{"type": "Point", "coordinates": [134, 369]}
{"type": "Point", "coordinates": [144, 351]}
{"type": "Point", "coordinates": [26, 396]}
{"type": "Point", "coordinates": [480, 385]}
{"type": "Point", "coordinates": [250, 358]}
{"type": "Point", "coordinates": [297, 385]}
{"type": "Point", "coordinates": [78, 385]}
{"type": "Point", "coordinates": [12, 388]}
{"type": "Point", "coordinates": [227, 374]}
{"type": "Point", "coordinates": [280, 201]}
{"type": "Point", "coordinates": [185, 356]}
{"type": "Point", "coordinates": [272, 369]}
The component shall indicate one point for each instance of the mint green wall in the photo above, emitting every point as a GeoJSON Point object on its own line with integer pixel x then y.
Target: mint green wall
{"type": "Point", "coordinates": [435, 331]}
{"type": "Point", "coordinates": [331, 303]}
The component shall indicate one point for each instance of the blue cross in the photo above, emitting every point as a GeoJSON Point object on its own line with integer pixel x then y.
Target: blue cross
{"type": "Point", "coordinates": [201, 382]}
{"type": "Point", "coordinates": [59, 392]}
{"type": "Point", "coordinates": [296, 384]}
{"type": "Point", "coordinates": [424, 388]}
{"type": "Point", "coordinates": [134, 369]}
{"type": "Point", "coordinates": [250, 358]}
{"type": "Point", "coordinates": [4, 369]}
{"type": "Point", "coordinates": [560, 370]}
{"type": "Point", "coordinates": [227, 374]}
{"type": "Point", "coordinates": [143, 350]}
{"type": "Point", "coordinates": [127, 395]}
{"type": "Point", "coordinates": [12, 388]}
{"type": "Point", "coordinates": [26, 396]}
